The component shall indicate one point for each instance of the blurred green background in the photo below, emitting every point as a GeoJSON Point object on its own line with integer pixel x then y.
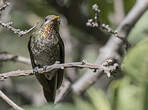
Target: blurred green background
{"type": "Point", "coordinates": [127, 93]}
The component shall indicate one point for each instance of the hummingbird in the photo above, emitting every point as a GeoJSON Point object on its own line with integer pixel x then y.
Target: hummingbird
{"type": "Point", "coordinates": [46, 47]}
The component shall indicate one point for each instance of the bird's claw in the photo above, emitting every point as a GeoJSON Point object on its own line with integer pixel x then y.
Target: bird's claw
{"type": "Point", "coordinates": [35, 70]}
{"type": "Point", "coordinates": [45, 68]}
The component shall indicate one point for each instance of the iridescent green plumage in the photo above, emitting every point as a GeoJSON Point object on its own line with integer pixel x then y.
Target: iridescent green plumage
{"type": "Point", "coordinates": [45, 48]}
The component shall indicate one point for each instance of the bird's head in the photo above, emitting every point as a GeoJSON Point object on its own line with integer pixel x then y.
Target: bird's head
{"type": "Point", "coordinates": [51, 22]}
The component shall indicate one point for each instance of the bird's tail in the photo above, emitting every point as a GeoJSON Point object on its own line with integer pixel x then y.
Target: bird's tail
{"type": "Point", "coordinates": [49, 89]}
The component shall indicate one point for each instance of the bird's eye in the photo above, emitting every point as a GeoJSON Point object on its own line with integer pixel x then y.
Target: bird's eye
{"type": "Point", "coordinates": [45, 19]}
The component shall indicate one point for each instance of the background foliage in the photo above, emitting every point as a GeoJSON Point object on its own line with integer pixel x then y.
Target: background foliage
{"type": "Point", "coordinates": [128, 93]}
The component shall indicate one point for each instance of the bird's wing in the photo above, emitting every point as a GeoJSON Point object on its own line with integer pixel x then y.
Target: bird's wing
{"type": "Point", "coordinates": [62, 59]}
{"type": "Point", "coordinates": [30, 52]}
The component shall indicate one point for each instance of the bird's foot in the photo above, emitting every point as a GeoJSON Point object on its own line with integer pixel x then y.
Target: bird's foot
{"type": "Point", "coordinates": [36, 69]}
{"type": "Point", "coordinates": [45, 67]}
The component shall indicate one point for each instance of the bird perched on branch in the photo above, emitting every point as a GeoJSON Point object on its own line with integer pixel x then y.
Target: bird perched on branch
{"type": "Point", "coordinates": [45, 48]}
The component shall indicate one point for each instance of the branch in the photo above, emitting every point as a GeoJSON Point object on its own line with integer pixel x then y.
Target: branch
{"type": "Point", "coordinates": [4, 6]}
{"type": "Point", "coordinates": [119, 13]}
{"type": "Point", "coordinates": [83, 64]}
{"type": "Point", "coordinates": [19, 32]}
{"type": "Point", "coordinates": [109, 66]}
{"type": "Point", "coordinates": [96, 22]}
{"type": "Point", "coordinates": [10, 102]}
{"type": "Point", "coordinates": [5, 56]}
{"type": "Point", "coordinates": [63, 91]}
{"type": "Point", "coordinates": [112, 47]}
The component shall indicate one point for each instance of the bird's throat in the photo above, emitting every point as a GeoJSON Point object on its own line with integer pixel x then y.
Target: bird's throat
{"type": "Point", "coordinates": [47, 30]}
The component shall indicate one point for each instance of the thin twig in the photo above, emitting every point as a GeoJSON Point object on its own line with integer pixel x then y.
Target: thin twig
{"type": "Point", "coordinates": [19, 32]}
{"type": "Point", "coordinates": [9, 101]}
{"type": "Point", "coordinates": [4, 6]}
{"type": "Point", "coordinates": [83, 64]}
{"type": "Point", "coordinates": [96, 22]}
{"type": "Point", "coordinates": [5, 56]}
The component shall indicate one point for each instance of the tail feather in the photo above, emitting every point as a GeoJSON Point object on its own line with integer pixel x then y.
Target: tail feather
{"type": "Point", "coordinates": [60, 75]}
{"type": "Point", "coordinates": [49, 87]}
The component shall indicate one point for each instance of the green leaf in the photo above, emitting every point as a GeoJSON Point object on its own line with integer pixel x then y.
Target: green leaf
{"type": "Point", "coordinates": [83, 105]}
{"type": "Point", "coordinates": [135, 63]}
{"type": "Point", "coordinates": [99, 99]}
{"type": "Point", "coordinates": [129, 96]}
